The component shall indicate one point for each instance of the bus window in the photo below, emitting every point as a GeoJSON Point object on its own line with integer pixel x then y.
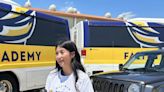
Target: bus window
{"type": "Point", "coordinates": [54, 32]}
{"type": "Point", "coordinates": [110, 36]}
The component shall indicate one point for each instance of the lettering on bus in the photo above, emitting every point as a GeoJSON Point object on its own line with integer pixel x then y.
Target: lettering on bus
{"type": "Point", "coordinates": [127, 55]}
{"type": "Point", "coordinates": [21, 55]}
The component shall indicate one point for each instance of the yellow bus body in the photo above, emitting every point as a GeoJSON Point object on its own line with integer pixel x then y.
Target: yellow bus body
{"type": "Point", "coordinates": [26, 56]}
{"type": "Point", "coordinates": [111, 55]}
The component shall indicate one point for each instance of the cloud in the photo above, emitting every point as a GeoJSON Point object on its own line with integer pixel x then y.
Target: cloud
{"type": "Point", "coordinates": [126, 15]}
{"type": "Point", "coordinates": [67, 5]}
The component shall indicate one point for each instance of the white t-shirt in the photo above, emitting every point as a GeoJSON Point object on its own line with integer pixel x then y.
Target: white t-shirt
{"type": "Point", "coordinates": [54, 83]}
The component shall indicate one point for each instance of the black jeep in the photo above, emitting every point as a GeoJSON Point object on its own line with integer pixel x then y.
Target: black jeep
{"type": "Point", "coordinates": [143, 72]}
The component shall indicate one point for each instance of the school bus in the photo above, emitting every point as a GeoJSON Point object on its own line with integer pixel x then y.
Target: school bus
{"type": "Point", "coordinates": [27, 47]}
{"type": "Point", "coordinates": [106, 44]}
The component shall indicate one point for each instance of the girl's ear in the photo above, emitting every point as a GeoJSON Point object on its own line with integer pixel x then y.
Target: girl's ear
{"type": "Point", "coordinates": [72, 54]}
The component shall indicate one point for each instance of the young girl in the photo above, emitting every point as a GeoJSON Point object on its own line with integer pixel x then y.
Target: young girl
{"type": "Point", "coordinates": [69, 75]}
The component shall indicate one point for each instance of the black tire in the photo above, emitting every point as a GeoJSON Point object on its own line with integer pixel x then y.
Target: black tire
{"type": "Point", "coordinates": [12, 85]}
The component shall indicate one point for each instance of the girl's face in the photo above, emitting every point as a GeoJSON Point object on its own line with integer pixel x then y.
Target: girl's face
{"type": "Point", "coordinates": [64, 57]}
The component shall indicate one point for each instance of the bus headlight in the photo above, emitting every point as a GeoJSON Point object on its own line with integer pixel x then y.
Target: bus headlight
{"type": "Point", "coordinates": [134, 88]}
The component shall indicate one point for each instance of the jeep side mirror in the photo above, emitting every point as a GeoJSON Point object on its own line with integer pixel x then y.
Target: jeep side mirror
{"type": "Point", "coordinates": [120, 66]}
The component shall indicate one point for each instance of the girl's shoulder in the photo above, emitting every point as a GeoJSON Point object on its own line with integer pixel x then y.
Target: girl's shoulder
{"type": "Point", "coordinates": [84, 84]}
{"type": "Point", "coordinates": [53, 73]}
{"type": "Point", "coordinates": [82, 75]}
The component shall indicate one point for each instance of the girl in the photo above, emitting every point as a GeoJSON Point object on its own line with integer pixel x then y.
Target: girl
{"type": "Point", "coordinates": [69, 75]}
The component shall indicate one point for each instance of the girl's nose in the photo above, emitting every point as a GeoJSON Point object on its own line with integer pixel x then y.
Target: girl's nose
{"type": "Point", "coordinates": [58, 56]}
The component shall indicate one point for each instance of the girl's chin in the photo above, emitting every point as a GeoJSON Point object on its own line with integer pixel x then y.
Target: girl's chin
{"type": "Point", "coordinates": [61, 64]}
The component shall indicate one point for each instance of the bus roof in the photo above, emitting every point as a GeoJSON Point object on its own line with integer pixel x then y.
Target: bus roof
{"type": "Point", "coordinates": [148, 19]}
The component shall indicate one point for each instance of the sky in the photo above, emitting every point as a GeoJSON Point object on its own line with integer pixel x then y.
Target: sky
{"type": "Point", "coordinates": [133, 8]}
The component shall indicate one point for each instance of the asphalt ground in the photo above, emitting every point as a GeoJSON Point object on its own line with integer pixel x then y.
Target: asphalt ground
{"type": "Point", "coordinates": [36, 90]}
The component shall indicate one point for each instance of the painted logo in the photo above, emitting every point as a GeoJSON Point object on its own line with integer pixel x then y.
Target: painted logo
{"type": "Point", "coordinates": [147, 34]}
{"type": "Point", "coordinates": [15, 27]}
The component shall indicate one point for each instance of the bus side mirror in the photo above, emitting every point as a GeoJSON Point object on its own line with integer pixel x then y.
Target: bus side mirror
{"type": "Point", "coordinates": [120, 66]}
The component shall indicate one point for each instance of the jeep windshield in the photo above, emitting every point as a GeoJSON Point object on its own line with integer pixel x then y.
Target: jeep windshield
{"type": "Point", "coordinates": [146, 61]}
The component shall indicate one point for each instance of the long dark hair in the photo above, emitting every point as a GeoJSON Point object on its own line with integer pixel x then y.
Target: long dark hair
{"type": "Point", "coordinates": [76, 61]}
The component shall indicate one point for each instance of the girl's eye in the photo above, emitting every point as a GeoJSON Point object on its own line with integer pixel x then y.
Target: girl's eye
{"type": "Point", "coordinates": [62, 52]}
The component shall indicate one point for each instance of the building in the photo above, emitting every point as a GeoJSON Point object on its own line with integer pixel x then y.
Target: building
{"type": "Point", "coordinates": [74, 18]}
